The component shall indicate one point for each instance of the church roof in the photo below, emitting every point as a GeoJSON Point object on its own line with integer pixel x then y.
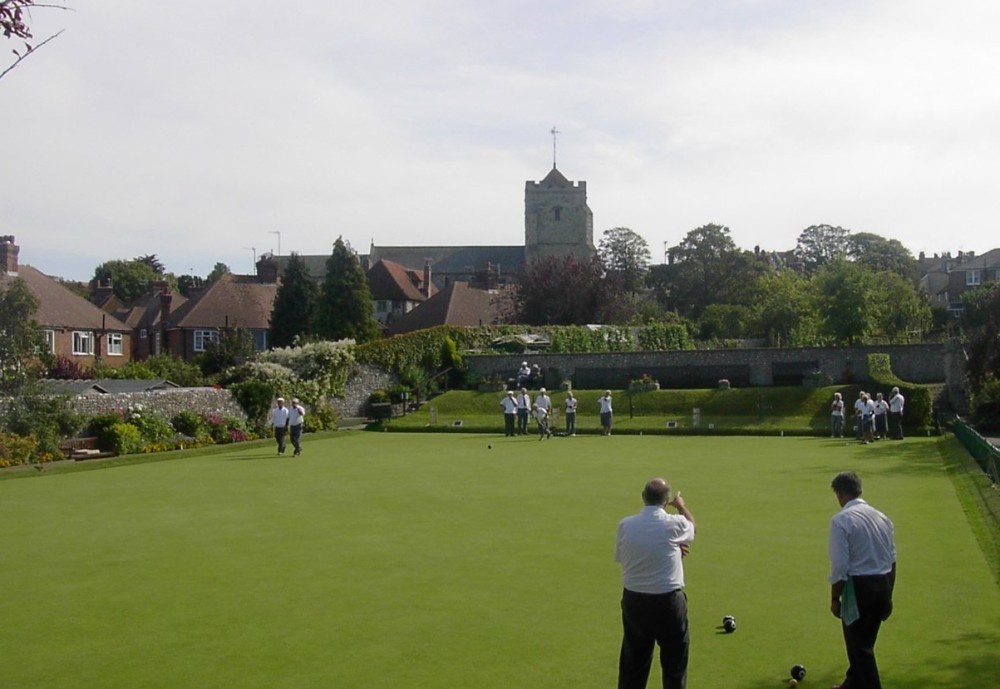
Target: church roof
{"type": "Point", "coordinates": [451, 259]}
{"type": "Point", "coordinates": [555, 179]}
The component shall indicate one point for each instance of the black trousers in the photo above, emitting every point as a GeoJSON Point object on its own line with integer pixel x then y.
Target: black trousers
{"type": "Point", "coordinates": [647, 620]}
{"type": "Point", "coordinates": [874, 596]}
{"type": "Point", "coordinates": [522, 421]}
{"type": "Point", "coordinates": [279, 435]}
{"type": "Point", "coordinates": [896, 424]}
{"type": "Point", "coordinates": [295, 432]}
{"type": "Point", "coordinates": [508, 423]}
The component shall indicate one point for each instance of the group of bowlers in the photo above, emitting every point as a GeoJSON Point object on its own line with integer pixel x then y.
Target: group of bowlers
{"type": "Point", "coordinates": [874, 418]}
{"type": "Point", "coordinates": [288, 422]}
{"type": "Point", "coordinates": [650, 547]}
{"type": "Point", "coordinates": [519, 406]}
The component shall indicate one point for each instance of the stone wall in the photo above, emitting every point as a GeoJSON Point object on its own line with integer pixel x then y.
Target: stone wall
{"type": "Point", "coordinates": [363, 381]}
{"type": "Point", "coordinates": [163, 403]}
{"type": "Point", "coordinates": [704, 368]}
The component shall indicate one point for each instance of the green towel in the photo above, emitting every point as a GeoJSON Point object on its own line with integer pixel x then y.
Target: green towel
{"type": "Point", "coordinates": [849, 604]}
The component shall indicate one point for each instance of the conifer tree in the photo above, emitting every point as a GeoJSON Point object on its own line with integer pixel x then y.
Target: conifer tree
{"type": "Point", "coordinates": [345, 308]}
{"type": "Point", "coordinates": [294, 311]}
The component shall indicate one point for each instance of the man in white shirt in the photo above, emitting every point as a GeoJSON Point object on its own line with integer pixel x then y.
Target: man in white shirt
{"type": "Point", "coordinates": [896, 402]}
{"type": "Point", "coordinates": [296, 419]}
{"type": "Point", "coordinates": [279, 421]}
{"type": "Point", "coordinates": [649, 547]}
{"type": "Point", "coordinates": [607, 413]}
{"type": "Point", "coordinates": [509, 405]}
{"type": "Point", "coordinates": [862, 550]}
{"type": "Point", "coordinates": [570, 413]}
{"type": "Point", "coordinates": [523, 410]}
{"type": "Point", "coordinates": [543, 400]}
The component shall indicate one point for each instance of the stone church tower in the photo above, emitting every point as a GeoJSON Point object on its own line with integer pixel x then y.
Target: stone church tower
{"type": "Point", "coordinates": [557, 220]}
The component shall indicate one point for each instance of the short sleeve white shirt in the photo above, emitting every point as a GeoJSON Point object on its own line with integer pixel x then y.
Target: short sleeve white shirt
{"type": "Point", "coordinates": [648, 547]}
{"type": "Point", "coordinates": [279, 417]}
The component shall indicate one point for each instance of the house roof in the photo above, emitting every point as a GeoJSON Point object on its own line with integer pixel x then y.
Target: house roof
{"type": "Point", "coordinates": [229, 302]}
{"type": "Point", "coordinates": [104, 386]}
{"type": "Point", "coordinates": [60, 307]}
{"type": "Point", "coordinates": [991, 259]}
{"type": "Point", "coordinates": [457, 304]}
{"type": "Point", "coordinates": [391, 281]}
{"type": "Point", "coordinates": [451, 259]}
{"type": "Point", "coordinates": [146, 311]}
{"type": "Point", "coordinates": [555, 179]}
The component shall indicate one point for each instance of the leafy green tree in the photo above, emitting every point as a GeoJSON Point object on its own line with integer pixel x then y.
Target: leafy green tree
{"type": "Point", "coordinates": [294, 312]}
{"type": "Point", "coordinates": [626, 257]}
{"type": "Point", "coordinates": [819, 245]}
{"type": "Point", "coordinates": [903, 312]}
{"type": "Point", "coordinates": [22, 344]}
{"type": "Point", "coordinates": [130, 279]}
{"type": "Point", "coordinates": [707, 268]}
{"type": "Point", "coordinates": [233, 348]}
{"type": "Point", "coordinates": [345, 307]}
{"type": "Point", "coordinates": [844, 294]}
{"type": "Point", "coordinates": [879, 254]}
{"type": "Point", "coordinates": [980, 321]}
{"type": "Point", "coordinates": [218, 271]}
{"type": "Point", "coordinates": [723, 321]}
{"type": "Point", "coordinates": [783, 311]}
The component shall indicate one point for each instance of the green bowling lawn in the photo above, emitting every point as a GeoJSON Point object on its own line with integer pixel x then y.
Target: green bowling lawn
{"type": "Point", "coordinates": [411, 560]}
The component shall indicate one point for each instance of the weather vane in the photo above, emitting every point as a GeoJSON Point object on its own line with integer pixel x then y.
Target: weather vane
{"type": "Point", "coordinates": [554, 132]}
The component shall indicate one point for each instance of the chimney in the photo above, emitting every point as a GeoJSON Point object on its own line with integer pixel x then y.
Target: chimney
{"type": "Point", "coordinates": [8, 255]}
{"type": "Point", "coordinates": [267, 270]}
{"type": "Point", "coordinates": [165, 299]}
{"type": "Point", "coordinates": [427, 279]}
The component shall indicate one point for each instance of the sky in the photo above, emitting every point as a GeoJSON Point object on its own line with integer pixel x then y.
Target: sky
{"type": "Point", "coordinates": [208, 132]}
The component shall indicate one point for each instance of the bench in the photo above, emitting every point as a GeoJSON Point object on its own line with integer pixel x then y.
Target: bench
{"type": "Point", "coordinates": [82, 448]}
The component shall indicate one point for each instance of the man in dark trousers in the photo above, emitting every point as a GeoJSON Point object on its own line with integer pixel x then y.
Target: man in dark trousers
{"type": "Point", "coordinates": [649, 548]}
{"type": "Point", "coordinates": [862, 576]}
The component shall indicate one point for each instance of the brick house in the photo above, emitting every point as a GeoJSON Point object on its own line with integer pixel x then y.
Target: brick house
{"type": "Point", "coordinates": [74, 328]}
{"type": "Point", "coordinates": [397, 290]}
{"type": "Point", "coordinates": [459, 304]}
{"type": "Point", "coordinates": [947, 278]}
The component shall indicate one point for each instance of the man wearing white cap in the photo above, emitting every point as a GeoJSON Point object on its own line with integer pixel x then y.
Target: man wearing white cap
{"type": "Point", "coordinates": [279, 421]}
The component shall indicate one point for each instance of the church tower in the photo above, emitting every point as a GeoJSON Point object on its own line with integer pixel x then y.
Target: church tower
{"type": "Point", "coordinates": [557, 220]}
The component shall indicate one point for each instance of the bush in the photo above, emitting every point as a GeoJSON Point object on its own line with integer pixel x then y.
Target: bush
{"type": "Point", "coordinates": [189, 423]}
{"type": "Point", "coordinates": [102, 428]}
{"type": "Point", "coordinates": [45, 418]}
{"type": "Point", "coordinates": [152, 428]}
{"type": "Point", "coordinates": [17, 449]}
{"type": "Point", "coordinates": [986, 406]}
{"type": "Point", "coordinates": [254, 396]}
{"type": "Point", "coordinates": [321, 417]}
{"type": "Point", "coordinates": [125, 438]}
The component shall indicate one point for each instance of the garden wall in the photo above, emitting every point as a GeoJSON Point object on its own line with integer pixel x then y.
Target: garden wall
{"type": "Point", "coordinates": [164, 403]}
{"type": "Point", "coordinates": [704, 368]}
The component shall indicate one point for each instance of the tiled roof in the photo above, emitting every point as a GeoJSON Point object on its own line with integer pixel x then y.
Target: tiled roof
{"type": "Point", "coordinates": [991, 259]}
{"type": "Point", "coordinates": [458, 304]}
{"type": "Point", "coordinates": [60, 307]}
{"type": "Point", "coordinates": [146, 311]}
{"type": "Point", "coordinates": [391, 281]}
{"type": "Point", "coordinates": [555, 179]}
{"type": "Point", "coordinates": [452, 259]}
{"type": "Point", "coordinates": [231, 301]}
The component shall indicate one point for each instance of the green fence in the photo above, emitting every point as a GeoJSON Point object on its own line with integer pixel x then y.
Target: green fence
{"type": "Point", "coordinates": [981, 449]}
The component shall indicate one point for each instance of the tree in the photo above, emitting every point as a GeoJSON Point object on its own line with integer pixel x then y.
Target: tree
{"type": "Point", "coordinates": [130, 279]}
{"type": "Point", "coordinates": [903, 312]}
{"type": "Point", "coordinates": [880, 254]}
{"type": "Point", "coordinates": [234, 347]}
{"type": "Point", "coordinates": [783, 311]}
{"type": "Point", "coordinates": [819, 245]}
{"type": "Point", "coordinates": [626, 257]}
{"type": "Point", "coordinates": [562, 291]}
{"type": "Point", "coordinates": [21, 339]}
{"type": "Point", "coordinates": [708, 268]}
{"type": "Point", "coordinates": [294, 312]}
{"type": "Point", "coordinates": [14, 25]}
{"type": "Point", "coordinates": [844, 294]}
{"type": "Point", "coordinates": [345, 308]}
{"type": "Point", "coordinates": [218, 271]}
{"type": "Point", "coordinates": [980, 321]}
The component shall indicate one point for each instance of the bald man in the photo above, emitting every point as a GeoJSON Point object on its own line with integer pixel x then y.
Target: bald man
{"type": "Point", "coordinates": [649, 549]}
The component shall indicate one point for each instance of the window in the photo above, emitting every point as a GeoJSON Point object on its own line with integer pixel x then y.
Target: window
{"type": "Point", "coordinates": [114, 344]}
{"type": "Point", "coordinates": [383, 306]}
{"type": "Point", "coordinates": [556, 212]}
{"type": "Point", "coordinates": [973, 277]}
{"type": "Point", "coordinates": [83, 342]}
{"type": "Point", "coordinates": [259, 340]}
{"type": "Point", "coordinates": [143, 333]}
{"type": "Point", "coordinates": [203, 337]}
{"type": "Point", "coordinates": [50, 341]}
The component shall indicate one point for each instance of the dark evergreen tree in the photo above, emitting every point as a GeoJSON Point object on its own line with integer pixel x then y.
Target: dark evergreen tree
{"type": "Point", "coordinates": [345, 307]}
{"type": "Point", "coordinates": [294, 311]}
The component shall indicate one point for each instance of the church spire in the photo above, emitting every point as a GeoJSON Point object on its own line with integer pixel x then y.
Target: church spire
{"type": "Point", "coordinates": [554, 132]}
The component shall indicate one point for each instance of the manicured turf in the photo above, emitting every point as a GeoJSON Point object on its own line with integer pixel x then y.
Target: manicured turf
{"type": "Point", "coordinates": [401, 560]}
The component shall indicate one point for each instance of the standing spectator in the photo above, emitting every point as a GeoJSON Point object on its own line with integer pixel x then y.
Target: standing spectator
{"type": "Point", "coordinates": [896, 402]}
{"type": "Point", "coordinates": [509, 405]}
{"type": "Point", "coordinates": [649, 547]}
{"type": "Point", "coordinates": [837, 416]}
{"type": "Point", "coordinates": [296, 417]}
{"type": "Point", "coordinates": [867, 419]}
{"type": "Point", "coordinates": [279, 422]}
{"type": "Point", "coordinates": [862, 576]}
{"type": "Point", "coordinates": [570, 414]}
{"type": "Point", "coordinates": [542, 417]}
{"type": "Point", "coordinates": [859, 409]}
{"type": "Point", "coordinates": [523, 409]}
{"type": "Point", "coordinates": [607, 413]}
{"type": "Point", "coordinates": [523, 375]}
{"type": "Point", "coordinates": [881, 417]}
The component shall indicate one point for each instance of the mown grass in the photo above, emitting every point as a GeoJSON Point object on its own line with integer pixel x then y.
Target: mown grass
{"type": "Point", "coordinates": [386, 560]}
